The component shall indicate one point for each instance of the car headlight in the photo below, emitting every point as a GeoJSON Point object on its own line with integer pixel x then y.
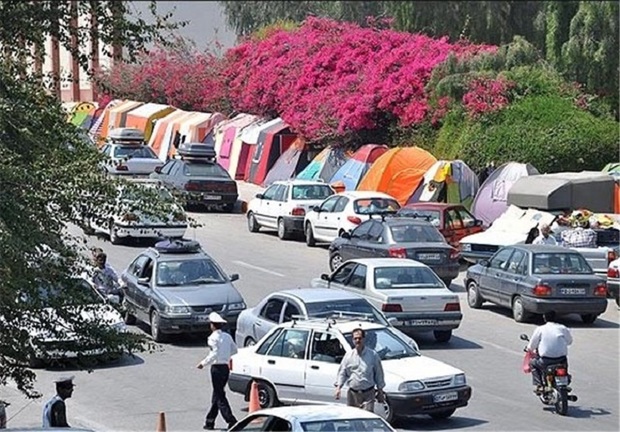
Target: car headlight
{"type": "Point", "coordinates": [466, 247]}
{"type": "Point", "coordinates": [178, 310]}
{"type": "Point", "coordinates": [236, 306]}
{"type": "Point", "coordinates": [460, 379]}
{"type": "Point", "coordinates": [411, 386]}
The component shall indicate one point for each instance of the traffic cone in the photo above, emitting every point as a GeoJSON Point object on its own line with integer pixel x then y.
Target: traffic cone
{"type": "Point", "coordinates": [161, 422]}
{"type": "Point", "coordinates": [254, 401]}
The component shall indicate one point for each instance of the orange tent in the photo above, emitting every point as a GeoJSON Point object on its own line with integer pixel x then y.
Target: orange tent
{"type": "Point", "coordinates": [398, 172]}
{"type": "Point", "coordinates": [118, 114]}
{"type": "Point", "coordinates": [164, 132]}
{"type": "Point", "coordinates": [145, 116]}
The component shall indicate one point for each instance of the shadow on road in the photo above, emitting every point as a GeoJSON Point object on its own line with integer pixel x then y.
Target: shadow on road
{"type": "Point", "coordinates": [428, 424]}
{"type": "Point", "coordinates": [126, 360]}
{"type": "Point", "coordinates": [582, 412]}
{"type": "Point", "coordinates": [427, 342]}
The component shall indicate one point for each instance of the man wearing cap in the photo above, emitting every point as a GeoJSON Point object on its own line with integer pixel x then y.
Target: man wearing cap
{"type": "Point", "coordinates": [55, 411]}
{"type": "Point", "coordinates": [222, 349]}
{"type": "Point", "coordinates": [544, 238]}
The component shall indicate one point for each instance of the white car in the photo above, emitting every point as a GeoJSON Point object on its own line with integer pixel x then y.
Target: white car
{"type": "Point", "coordinates": [134, 224]}
{"type": "Point", "coordinates": [284, 204]}
{"type": "Point", "coordinates": [343, 212]}
{"type": "Point", "coordinates": [128, 153]}
{"type": "Point", "coordinates": [297, 362]}
{"type": "Point", "coordinates": [318, 418]}
{"type": "Point", "coordinates": [613, 280]}
{"type": "Point", "coordinates": [403, 289]}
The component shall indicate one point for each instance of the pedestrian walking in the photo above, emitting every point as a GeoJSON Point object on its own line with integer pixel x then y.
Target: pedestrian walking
{"type": "Point", "coordinates": [222, 348]}
{"type": "Point", "coordinates": [55, 411]}
{"type": "Point", "coordinates": [362, 371]}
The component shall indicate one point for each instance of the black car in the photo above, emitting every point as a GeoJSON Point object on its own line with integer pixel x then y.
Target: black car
{"type": "Point", "coordinates": [534, 279]}
{"type": "Point", "coordinates": [197, 179]}
{"type": "Point", "coordinates": [397, 237]}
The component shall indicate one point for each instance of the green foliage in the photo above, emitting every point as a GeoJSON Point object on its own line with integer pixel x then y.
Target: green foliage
{"type": "Point", "coordinates": [266, 31]}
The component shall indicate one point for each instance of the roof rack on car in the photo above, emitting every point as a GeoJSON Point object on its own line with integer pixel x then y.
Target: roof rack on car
{"type": "Point", "coordinates": [382, 213]}
{"type": "Point", "coordinates": [177, 246]}
{"type": "Point", "coordinates": [197, 151]}
{"type": "Point", "coordinates": [126, 136]}
{"type": "Point", "coordinates": [416, 216]}
{"type": "Point", "coordinates": [333, 317]}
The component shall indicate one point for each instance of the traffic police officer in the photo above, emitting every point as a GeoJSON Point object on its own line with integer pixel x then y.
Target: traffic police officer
{"type": "Point", "coordinates": [222, 349]}
{"type": "Point", "coordinates": [55, 411]}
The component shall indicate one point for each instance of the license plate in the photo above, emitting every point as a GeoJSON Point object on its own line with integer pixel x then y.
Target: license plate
{"type": "Point", "coordinates": [561, 380]}
{"type": "Point", "coordinates": [212, 197]}
{"type": "Point", "coordinates": [421, 322]}
{"type": "Point", "coordinates": [202, 318]}
{"type": "Point", "coordinates": [573, 291]}
{"type": "Point", "coordinates": [429, 257]}
{"type": "Point", "coordinates": [445, 397]}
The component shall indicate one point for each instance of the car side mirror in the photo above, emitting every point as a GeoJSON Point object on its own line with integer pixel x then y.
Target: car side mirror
{"type": "Point", "coordinates": [316, 209]}
{"type": "Point", "coordinates": [325, 277]}
{"type": "Point", "coordinates": [144, 281]}
{"type": "Point", "coordinates": [484, 263]}
{"type": "Point", "coordinates": [259, 196]}
{"type": "Point", "coordinates": [158, 169]}
{"type": "Point", "coordinates": [392, 321]}
{"type": "Point", "coordinates": [345, 235]}
{"type": "Point", "coordinates": [234, 277]}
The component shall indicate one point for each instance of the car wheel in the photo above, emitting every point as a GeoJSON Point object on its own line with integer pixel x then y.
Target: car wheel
{"type": "Point", "coordinates": [474, 299]}
{"type": "Point", "coordinates": [589, 318]}
{"type": "Point", "coordinates": [114, 238]}
{"type": "Point", "coordinates": [518, 311]}
{"type": "Point", "coordinates": [283, 234]}
{"type": "Point", "coordinates": [129, 318]}
{"type": "Point", "coordinates": [266, 395]}
{"type": "Point", "coordinates": [155, 331]}
{"type": "Point", "coordinates": [385, 411]}
{"type": "Point", "coordinates": [249, 342]}
{"type": "Point", "coordinates": [252, 223]}
{"type": "Point", "coordinates": [310, 241]}
{"type": "Point", "coordinates": [335, 261]}
{"type": "Point", "coordinates": [448, 282]}
{"type": "Point", "coordinates": [440, 415]}
{"type": "Point", "coordinates": [442, 336]}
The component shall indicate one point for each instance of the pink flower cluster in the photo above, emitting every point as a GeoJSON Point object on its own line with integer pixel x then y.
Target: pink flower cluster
{"type": "Point", "coordinates": [486, 95]}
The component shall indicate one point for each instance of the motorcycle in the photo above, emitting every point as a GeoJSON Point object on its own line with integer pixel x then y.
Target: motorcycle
{"type": "Point", "coordinates": [556, 380]}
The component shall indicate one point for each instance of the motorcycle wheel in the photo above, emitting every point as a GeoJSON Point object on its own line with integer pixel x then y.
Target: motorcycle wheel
{"type": "Point", "coordinates": [561, 401]}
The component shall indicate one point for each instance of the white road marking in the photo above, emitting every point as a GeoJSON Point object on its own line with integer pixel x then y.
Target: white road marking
{"type": "Point", "coordinates": [264, 270]}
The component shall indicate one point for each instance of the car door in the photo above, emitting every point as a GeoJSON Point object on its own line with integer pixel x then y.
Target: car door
{"type": "Point", "coordinates": [263, 211]}
{"type": "Point", "coordinates": [325, 228]}
{"type": "Point", "coordinates": [284, 363]}
{"type": "Point", "coordinates": [373, 246]}
{"type": "Point", "coordinates": [355, 246]}
{"type": "Point", "coordinates": [268, 317]}
{"type": "Point", "coordinates": [325, 354]}
{"type": "Point", "coordinates": [163, 174]}
{"type": "Point", "coordinates": [357, 282]}
{"type": "Point", "coordinates": [340, 277]}
{"type": "Point", "coordinates": [144, 292]}
{"type": "Point", "coordinates": [280, 203]}
{"type": "Point", "coordinates": [454, 226]}
{"type": "Point", "coordinates": [130, 278]}
{"type": "Point", "coordinates": [493, 275]}
{"type": "Point", "coordinates": [515, 274]}
{"type": "Point", "coordinates": [470, 224]}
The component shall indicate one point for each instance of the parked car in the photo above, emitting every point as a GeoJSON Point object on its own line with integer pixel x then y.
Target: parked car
{"type": "Point", "coordinates": [305, 418]}
{"type": "Point", "coordinates": [175, 285]}
{"type": "Point", "coordinates": [453, 221]}
{"type": "Point", "coordinates": [532, 279]}
{"type": "Point", "coordinates": [342, 213]}
{"type": "Point", "coordinates": [613, 280]}
{"type": "Point", "coordinates": [284, 204]}
{"type": "Point", "coordinates": [128, 153]}
{"type": "Point", "coordinates": [134, 223]}
{"type": "Point", "coordinates": [397, 237]}
{"type": "Point", "coordinates": [297, 362]}
{"type": "Point", "coordinates": [197, 179]}
{"type": "Point", "coordinates": [403, 289]}
{"type": "Point", "coordinates": [303, 303]}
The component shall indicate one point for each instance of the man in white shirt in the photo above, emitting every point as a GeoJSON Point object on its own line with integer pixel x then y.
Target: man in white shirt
{"type": "Point", "coordinates": [550, 341]}
{"type": "Point", "coordinates": [222, 349]}
{"type": "Point", "coordinates": [544, 238]}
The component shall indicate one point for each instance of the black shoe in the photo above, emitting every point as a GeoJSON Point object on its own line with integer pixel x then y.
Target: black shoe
{"type": "Point", "coordinates": [230, 425]}
{"type": "Point", "coordinates": [209, 426]}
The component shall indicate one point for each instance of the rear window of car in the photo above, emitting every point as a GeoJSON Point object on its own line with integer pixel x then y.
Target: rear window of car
{"type": "Point", "coordinates": [404, 233]}
{"type": "Point", "coordinates": [375, 205]}
{"type": "Point", "coordinates": [143, 152]}
{"type": "Point", "coordinates": [432, 216]}
{"type": "Point", "coordinates": [406, 278]}
{"type": "Point", "coordinates": [311, 192]}
{"type": "Point", "coordinates": [375, 425]}
{"type": "Point", "coordinates": [560, 263]}
{"type": "Point", "coordinates": [204, 170]}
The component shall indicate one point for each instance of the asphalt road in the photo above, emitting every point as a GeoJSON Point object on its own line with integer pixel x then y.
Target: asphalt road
{"type": "Point", "coordinates": [127, 395]}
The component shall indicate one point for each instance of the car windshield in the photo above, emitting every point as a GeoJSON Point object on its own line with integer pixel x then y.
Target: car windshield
{"type": "Point", "coordinates": [345, 308]}
{"type": "Point", "coordinates": [386, 344]}
{"type": "Point", "coordinates": [374, 425]}
{"type": "Point", "coordinates": [375, 205]}
{"type": "Point", "coordinates": [406, 278]}
{"type": "Point", "coordinates": [311, 192]}
{"type": "Point", "coordinates": [141, 151]}
{"type": "Point", "coordinates": [432, 216]}
{"type": "Point", "coordinates": [204, 170]}
{"type": "Point", "coordinates": [560, 263]}
{"type": "Point", "coordinates": [188, 272]}
{"type": "Point", "coordinates": [418, 233]}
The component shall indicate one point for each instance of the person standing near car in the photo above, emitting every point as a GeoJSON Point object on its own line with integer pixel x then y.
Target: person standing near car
{"type": "Point", "coordinates": [55, 411]}
{"type": "Point", "coordinates": [362, 371]}
{"type": "Point", "coordinates": [222, 348]}
{"type": "Point", "coordinates": [545, 238]}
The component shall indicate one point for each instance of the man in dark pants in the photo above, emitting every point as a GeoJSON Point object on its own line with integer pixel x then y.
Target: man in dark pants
{"type": "Point", "coordinates": [222, 349]}
{"type": "Point", "coordinates": [55, 411]}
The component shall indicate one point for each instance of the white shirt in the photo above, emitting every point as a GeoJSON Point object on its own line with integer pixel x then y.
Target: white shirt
{"type": "Point", "coordinates": [551, 340]}
{"type": "Point", "coordinates": [222, 347]}
{"type": "Point", "coordinates": [542, 240]}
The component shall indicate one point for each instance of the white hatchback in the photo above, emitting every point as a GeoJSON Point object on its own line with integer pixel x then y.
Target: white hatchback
{"type": "Point", "coordinates": [284, 204]}
{"type": "Point", "coordinates": [343, 212]}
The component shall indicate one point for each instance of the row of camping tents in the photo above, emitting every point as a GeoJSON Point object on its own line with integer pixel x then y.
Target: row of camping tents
{"type": "Point", "coordinates": [262, 151]}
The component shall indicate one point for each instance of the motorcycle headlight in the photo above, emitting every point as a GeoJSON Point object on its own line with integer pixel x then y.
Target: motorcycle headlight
{"type": "Point", "coordinates": [236, 306]}
{"type": "Point", "coordinates": [466, 247]}
{"type": "Point", "coordinates": [411, 386]}
{"type": "Point", "coordinates": [460, 379]}
{"type": "Point", "coordinates": [178, 310]}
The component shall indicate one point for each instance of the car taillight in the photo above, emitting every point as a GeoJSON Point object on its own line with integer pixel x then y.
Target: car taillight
{"type": "Point", "coordinates": [613, 273]}
{"type": "Point", "coordinates": [391, 307]}
{"type": "Point", "coordinates": [452, 307]}
{"type": "Point", "coordinates": [455, 254]}
{"type": "Point", "coordinates": [561, 372]}
{"type": "Point", "coordinates": [121, 167]}
{"type": "Point", "coordinates": [600, 289]}
{"type": "Point", "coordinates": [298, 211]}
{"type": "Point", "coordinates": [397, 252]}
{"type": "Point", "coordinates": [354, 220]}
{"type": "Point", "coordinates": [611, 256]}
{"type": "Point", "coordinates": [541, 290]}
{"type": "Point", "coordinates": [130, 217]}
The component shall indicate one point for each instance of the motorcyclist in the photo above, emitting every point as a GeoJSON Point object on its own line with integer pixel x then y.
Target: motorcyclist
{"type": "Point", "coordinates": [550, 344]}
{"type": "Point", "coordinates": [104, 276]}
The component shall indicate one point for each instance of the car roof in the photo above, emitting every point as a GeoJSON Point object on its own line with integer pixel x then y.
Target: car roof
{"type": "Point", "coordinates": [300, 182]}
{"type": "Point", "coordinates": [431, 206]}
{"type": "Point", "coordinates": [544, 248]}
{"type": "Point", "coordinates": [342, 324]}
{"type": "Point", "coordinates": [306, 413]}
{"type": "Point", "coordinates": [315, 295]}
{"type": "Point", "coordinates": [366, 194]}
{"type": "Point", "coordinates": [388, 262]}
{"type": "Point", "coordinates": [404, 220]}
